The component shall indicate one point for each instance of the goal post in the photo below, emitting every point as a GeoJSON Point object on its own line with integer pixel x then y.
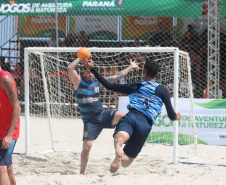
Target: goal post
{"type": "Point", "coordinates": [50, 94]}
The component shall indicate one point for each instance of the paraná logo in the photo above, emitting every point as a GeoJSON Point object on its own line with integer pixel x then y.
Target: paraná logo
{"type": "Point", "coordinates": [120, 2]}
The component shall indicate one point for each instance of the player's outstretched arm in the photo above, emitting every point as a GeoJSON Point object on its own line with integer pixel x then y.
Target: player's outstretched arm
{"type": "Point", "coordinates": [121, 88]}
{"type": "Point", "coordinates": [72, 73]}
{"type": "Point", "coordinates": [165, 96]}
{"type": "Point", "coordinates": [8, 86]}
{"type": "Point", "coordinates": [124, 72]}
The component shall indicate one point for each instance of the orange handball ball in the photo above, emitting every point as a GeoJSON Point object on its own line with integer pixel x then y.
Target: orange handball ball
{"type": "Point", "coordinates": [83, 53]}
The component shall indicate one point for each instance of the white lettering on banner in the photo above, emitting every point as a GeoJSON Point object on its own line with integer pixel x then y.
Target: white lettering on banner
{"type": "Point", "coordinates": [35, 7]}
{"type": "Point", "coordinates": [41, 20]}
{"type": "Point", "coordinates": [15, 8]}
{"type": "Point", "coordinates": [98, 4]}
{"type": "Point", "coordinates": [145, 21]}
{"type": "Point", "coordinates": [223, 136]}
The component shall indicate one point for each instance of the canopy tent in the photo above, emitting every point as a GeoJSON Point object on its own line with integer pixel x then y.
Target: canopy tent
{"type": "Point", "coordinates": [155, 8]}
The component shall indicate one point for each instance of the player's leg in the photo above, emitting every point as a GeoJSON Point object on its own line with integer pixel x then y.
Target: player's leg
{"type": "Point", "coordinates": [142, 127]}
{"type": "Point", "coordinates": [119, 139]}
{"type": "Point", "coordinates": [126, 160]}
{"type": "Point", "coordinates": [92, 129]}
{"type": "Point", "coordinates": [87, 145]}
{"type": "Point", "coordinates": [4, 178]}
{"type": "Point", "coordinates": [6, 161]}
{"type": "Point", "coordinates": [12, 178]}
{"type": "Point", "coordinates": [123, 132]}
{"type": "Point", "coordinates": [117, 117]}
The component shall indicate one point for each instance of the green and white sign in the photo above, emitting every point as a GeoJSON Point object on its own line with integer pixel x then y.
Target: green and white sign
{"type": "Point", "coordinates": [210, 120]}
{"type": "Point", "coordinates": [157, 8]}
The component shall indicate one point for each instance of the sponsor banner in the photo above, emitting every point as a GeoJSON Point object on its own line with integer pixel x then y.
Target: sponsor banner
{"type": "Point", "coordinates": [156, 8]}
{"type": "Point", "coordinates": [210, 119]}
{"type": "Point", "coordinates": [96, 27]}
{"type": "Point", "coordinates": [143, 28]}
{"type": "Point", "coordinates": [41, 26]}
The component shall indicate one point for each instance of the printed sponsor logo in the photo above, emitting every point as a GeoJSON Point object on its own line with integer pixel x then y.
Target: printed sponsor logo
{"type": "Point", "coordinates": [85, 134]}
{"type": "Point", "coordinates": [84, 100]}
{"type": "Point", "coordinates": [210, 122]}
{"type": "Point", "coordinates": [92, 99]}
{"type": "Point", "coordinates": [214, 104]}
{"type": "Point", "coordinates": [34, 7]}
{"type": "Point", "coordinates": [120, 2]}
{"type": "Point", "coordinates": [96, 89]}
{"type": "Point", "coordinates": [223, 136]}
{"type": "Point", "coordinates": [96, 4]}
{"type": "Point", "coordinates": [15, 8]}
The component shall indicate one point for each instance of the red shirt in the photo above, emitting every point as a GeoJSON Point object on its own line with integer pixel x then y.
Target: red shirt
{"type": "Point", "coordinates": [6, 111]}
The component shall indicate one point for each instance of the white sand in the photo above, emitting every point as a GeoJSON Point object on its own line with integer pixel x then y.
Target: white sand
{"type": "Point", "coordinates": [62, 168]}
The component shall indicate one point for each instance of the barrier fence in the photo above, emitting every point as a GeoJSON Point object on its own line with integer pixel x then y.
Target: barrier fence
{"type": "Point", "coordinates": [172, 23]}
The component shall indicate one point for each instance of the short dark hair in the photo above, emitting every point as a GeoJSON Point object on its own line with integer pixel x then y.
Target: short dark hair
{"type": "Point", "coordinates": [152, 68]}
{"type": "Point", "coordinates": [2, 61]}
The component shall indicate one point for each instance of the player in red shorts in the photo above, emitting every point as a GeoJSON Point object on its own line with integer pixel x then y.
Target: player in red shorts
{"type": "Point", "coordinates": [9, 126]}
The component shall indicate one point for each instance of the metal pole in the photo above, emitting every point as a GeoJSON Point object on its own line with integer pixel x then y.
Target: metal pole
{"type": "Point", "coordinates": [176, 87]}
{"type": "Point", "coordinates": [213, 76]}
{"type": "Point", "coordinates": [58, 73]}
{"type": "Point", "coordinates": [56, 20]}
{"type": "Point", "coordinates": [26, 89]}
{"type": "Point", "coordinates": [174, 29]}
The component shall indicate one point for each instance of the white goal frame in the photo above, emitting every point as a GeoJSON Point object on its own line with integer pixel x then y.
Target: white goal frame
{"type": "Point", "coordinates": [174, 50]}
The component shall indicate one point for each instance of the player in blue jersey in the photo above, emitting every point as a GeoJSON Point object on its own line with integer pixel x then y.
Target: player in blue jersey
{"type": "Point", "coordinates": [94, 117]}
{"type": "Point", "coordinates": [146, 100]}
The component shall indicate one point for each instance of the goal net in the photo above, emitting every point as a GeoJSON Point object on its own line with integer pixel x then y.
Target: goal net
{"type": "Point", "coordinates": [52, 112]}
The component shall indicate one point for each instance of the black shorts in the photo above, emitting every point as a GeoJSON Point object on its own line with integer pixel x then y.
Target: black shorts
{"type": "Point", "coordinates": [93, 127]}
{"type": "Point", "coordinates": [138, 127]}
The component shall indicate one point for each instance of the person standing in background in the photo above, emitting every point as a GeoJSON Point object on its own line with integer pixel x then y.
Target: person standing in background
{"type": "Point", "coordinates": [9, 126]}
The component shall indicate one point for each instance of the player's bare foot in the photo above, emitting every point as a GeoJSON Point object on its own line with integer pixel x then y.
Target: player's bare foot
{"type": "Point", "coordinates": [115, 164]}
{"type": "Point", "coordinates": [117, 161]}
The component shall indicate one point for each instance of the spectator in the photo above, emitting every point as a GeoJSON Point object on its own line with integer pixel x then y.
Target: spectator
{"type": "Point", "coordinates": [52, 42]}
{"type": "Point", "coordinates": [83, 40]}
{"type": "Point", "coordinates": [33, 79]}
{"type": "Point", "coordinates": [190, 43]}
{"type": "Point", "coordinates": [160, 36]}
{"type": "Point", "coordinates": [69, 41]}
{"type": "Point", "coordinates": [204, 44]}
{"type": "Point", "coordinates": [64, 82]}
{"type": "Point", "coordinates": [137, 43]}
{"type": "Point", "coordinates": [18, 75]}
{"type": "Point", "coordinates": [18, 72]}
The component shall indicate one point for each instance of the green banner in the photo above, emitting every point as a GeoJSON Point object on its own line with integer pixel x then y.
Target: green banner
{"type": "Point", "coordinates": [155, 8]}
{"type": "Point", "coordinates": [223, 8]}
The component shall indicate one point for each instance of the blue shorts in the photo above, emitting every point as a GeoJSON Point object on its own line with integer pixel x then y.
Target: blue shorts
{"type": "Point", "coordinates": [93, 127]}
{"type": "Point", "coordinates": [6, 154]}
{"type": "Point", "coordinates": [138, 127]}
